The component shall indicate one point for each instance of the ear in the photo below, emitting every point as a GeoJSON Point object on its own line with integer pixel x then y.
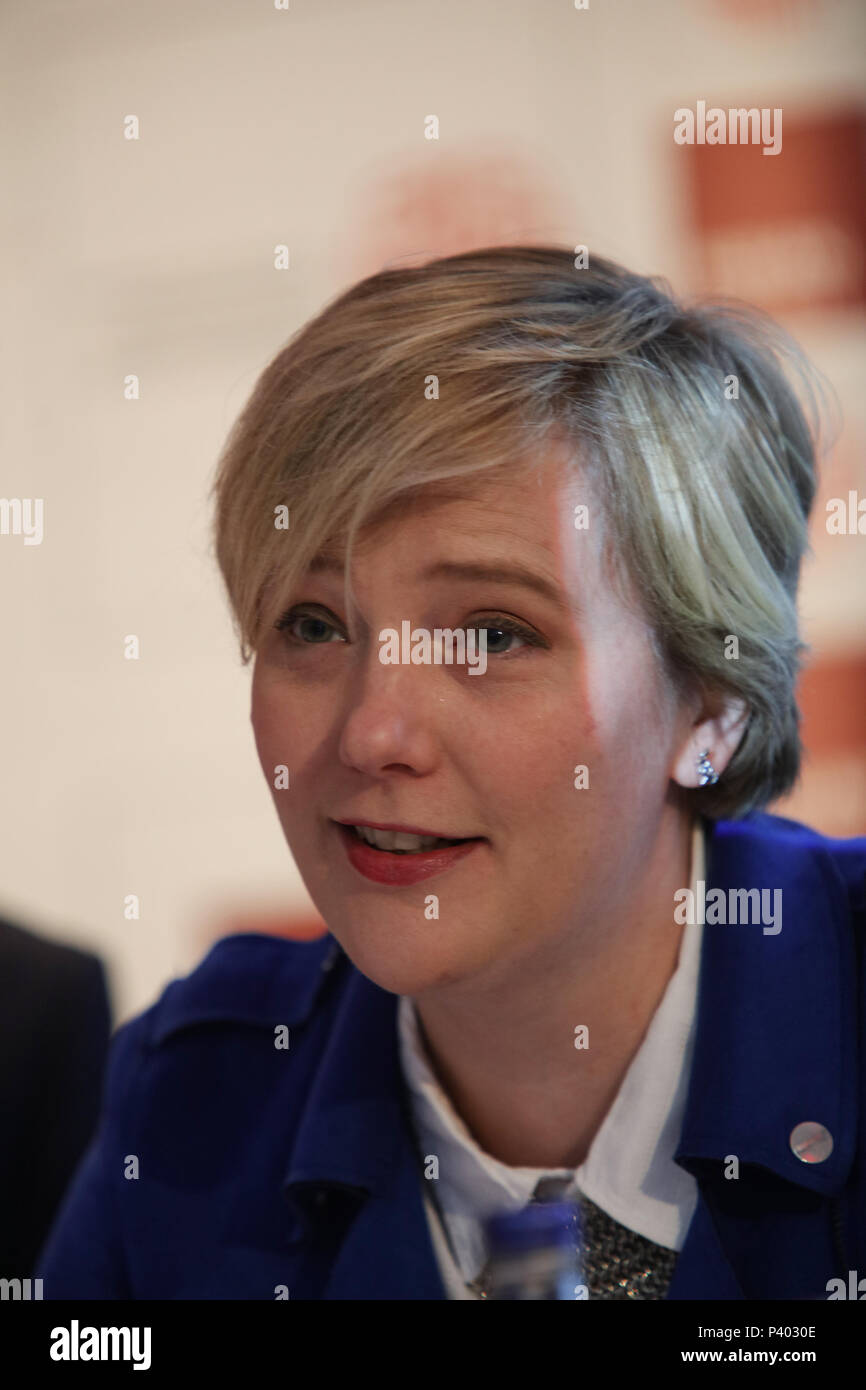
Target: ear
{"type": "Point", "coordinates": [717, 729]}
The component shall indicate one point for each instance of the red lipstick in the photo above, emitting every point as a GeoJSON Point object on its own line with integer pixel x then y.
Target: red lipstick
{"type": "Point", "coordinates": [398, 870]}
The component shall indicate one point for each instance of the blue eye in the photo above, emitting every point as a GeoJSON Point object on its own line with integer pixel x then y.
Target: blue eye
{"type": "Point", "coordinates": [293, 616]}
{"type": "Point", "coordinates": [499, 629]}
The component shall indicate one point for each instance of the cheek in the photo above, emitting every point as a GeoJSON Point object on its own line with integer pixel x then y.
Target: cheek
{"type": "Point", "coordinates": [522, 765]}
{"type": "Point", "coordinates": [623, 716]}
{"type": "Point", "coordinates": [290, 730]}
{"type": "Point", "coordinates": [279, 735]}
{"type": "Point", "coordinates": [263, 717]}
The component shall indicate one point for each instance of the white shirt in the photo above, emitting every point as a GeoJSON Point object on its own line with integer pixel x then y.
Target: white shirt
{"type": "Point", "coordinates": [629, 1171]}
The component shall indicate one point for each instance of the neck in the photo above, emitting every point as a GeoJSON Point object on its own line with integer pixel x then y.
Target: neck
{"type": "Point", "coordinates": [503, 1047]}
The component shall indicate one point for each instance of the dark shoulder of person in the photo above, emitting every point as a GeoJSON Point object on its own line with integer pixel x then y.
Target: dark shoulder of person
{"type": "Point", "coordinates": [55, 1024]}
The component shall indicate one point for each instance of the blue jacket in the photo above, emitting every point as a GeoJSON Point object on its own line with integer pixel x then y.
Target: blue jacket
{"type": "Point", "coordinates": [263, 1171]}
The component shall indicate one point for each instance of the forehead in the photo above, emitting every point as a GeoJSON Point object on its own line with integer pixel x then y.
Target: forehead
{"type": "Point", "coordinates": [514, 529]}
{"type": "Point", "coordinates": [525, 514]}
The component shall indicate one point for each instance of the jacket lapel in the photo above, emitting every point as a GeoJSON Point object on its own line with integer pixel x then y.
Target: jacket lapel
{"type": "Point", "coordinates": [354, 1136]}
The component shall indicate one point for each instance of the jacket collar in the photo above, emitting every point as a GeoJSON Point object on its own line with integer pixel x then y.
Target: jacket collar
{"type": "Point", "coordinates": [775, 1045]}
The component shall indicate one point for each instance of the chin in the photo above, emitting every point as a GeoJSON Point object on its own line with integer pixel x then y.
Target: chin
{"type": "Point", "coordinates": [396, 960]}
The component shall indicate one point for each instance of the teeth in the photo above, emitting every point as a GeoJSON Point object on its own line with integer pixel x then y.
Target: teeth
{"type": "Point", "coordinates": [399, 841]}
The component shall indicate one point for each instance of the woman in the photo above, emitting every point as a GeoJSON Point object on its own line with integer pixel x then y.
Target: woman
{"type": "Point", "coordinates": [516, 547]}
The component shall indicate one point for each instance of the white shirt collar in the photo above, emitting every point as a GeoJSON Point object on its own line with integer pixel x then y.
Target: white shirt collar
{"type": "Point", "coordinates": [629, 1171]}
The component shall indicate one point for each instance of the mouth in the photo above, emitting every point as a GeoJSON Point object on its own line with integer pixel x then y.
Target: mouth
{"type": "Point", "coordinates": [401, 840]}
{"type": "Point", "coordinates": [397, 856]}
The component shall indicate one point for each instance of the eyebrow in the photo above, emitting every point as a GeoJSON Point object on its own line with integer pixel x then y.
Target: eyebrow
{"type": "Point", "coordinates": [515, 574]}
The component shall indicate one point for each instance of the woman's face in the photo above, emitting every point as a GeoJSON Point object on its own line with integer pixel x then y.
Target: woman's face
{"type": "Point", "coordinates": [491, 755]}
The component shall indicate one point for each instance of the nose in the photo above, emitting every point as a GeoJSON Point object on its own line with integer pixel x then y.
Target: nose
{"type": "Point", "coordinates": [390, 721]}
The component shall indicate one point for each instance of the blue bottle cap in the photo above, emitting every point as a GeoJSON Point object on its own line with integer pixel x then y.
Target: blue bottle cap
{"type": "Point", "coordinates": [537, 1225]}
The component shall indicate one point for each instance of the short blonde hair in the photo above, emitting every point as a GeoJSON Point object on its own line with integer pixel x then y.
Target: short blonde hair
{"type": "Point", "coordinates": [683, 418]}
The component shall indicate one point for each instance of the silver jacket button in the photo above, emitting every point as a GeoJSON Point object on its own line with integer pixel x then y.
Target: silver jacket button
{"type": "Point", "coordinates": [811, 1142]}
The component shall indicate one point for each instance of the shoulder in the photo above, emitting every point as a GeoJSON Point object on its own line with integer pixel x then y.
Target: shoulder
{"type": "Point", "coordinates": [794, 850]}
{"type": "Point", "coordinates": [249, 979]}
{"type": "Point", "coordinates": [762, 828]}
{"type": "Point", "coordinates": [246, 986]}
{"type": "Point", "coordinates": [61, 987]}
{"type": "Point", "coordinates": [31, 956]}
